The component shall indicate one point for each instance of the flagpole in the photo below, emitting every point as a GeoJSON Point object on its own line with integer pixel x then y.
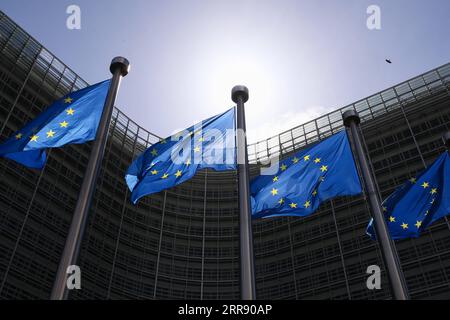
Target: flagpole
{"type": "Point", "coordinates": [119, 68]}
{"type": "Point", "coordinates": [239, 94]}
{"type": "Point", "coordinates": [388, 250]}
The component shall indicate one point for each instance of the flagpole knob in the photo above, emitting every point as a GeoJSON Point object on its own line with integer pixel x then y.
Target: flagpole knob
{"type": "Point", "coordinates": [446, 139]}
{"type": "Point", "coordinates": [120, 63]}
{"type": "Point", "coordinates": [239, 91]}
{"type": "Point", "coordinates": [350, 116]}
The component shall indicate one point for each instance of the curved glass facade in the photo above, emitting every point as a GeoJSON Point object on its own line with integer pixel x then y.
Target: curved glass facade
{"type": "Point", "coordinates": [183, 243]}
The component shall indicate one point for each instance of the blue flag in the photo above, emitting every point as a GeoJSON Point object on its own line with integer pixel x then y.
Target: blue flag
{"type": "Point", "coordinates": [419, 202]}
{"type": "Point", "coordinates": [303, 181]}
{"type": "Point", "coordinates": [71, 119]}
{"type": "Point", "coordinates": [209, 144]}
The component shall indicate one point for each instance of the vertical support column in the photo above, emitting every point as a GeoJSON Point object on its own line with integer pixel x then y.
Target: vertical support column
{"type": "Point", "coordinates": [291, 247]}
{"type": "Point", "coordinates": [341, 252]}
{"type": "Point", "coordinates": [239, 94]}
{"type": "Point", "coordinates": [159, 245]}
{"type": "Point", "coordinates": [388, 250]}
{"type": "Point", "coordinates": [446, 140]}
{"type": "Point", "coordinates": [204, 233]}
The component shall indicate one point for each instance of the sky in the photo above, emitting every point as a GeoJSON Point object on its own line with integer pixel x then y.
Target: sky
{"type": "Point", "coordinates": [299, 59]}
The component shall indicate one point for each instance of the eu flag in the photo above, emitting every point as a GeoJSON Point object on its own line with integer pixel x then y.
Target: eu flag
{"type": "Point", "coordinates": [72, 119]}
{"type": "Point", "coordinates": [311, 176]}
{"type": "Point", "coordinates": [209, 144]}
{"type": "Point", "coordinates": [419, 202]}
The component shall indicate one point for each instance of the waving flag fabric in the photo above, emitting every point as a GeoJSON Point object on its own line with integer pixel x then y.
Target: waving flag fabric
{"type": "Point", "coordinates": [209, 144]}
{"type": "Point", "coordinates": [311, 176]}
{"type": "Point", "coordinates": [419, 202]}
{"type": "Point", "coordinates": [71, 119]}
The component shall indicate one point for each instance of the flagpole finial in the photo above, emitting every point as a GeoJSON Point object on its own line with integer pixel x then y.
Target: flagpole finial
{"type": "Point", "coordinates": [446, 138]}
{"type": "Point", "coordinates": [350, 116]}
{"type": "Point", "coordinates": [239, 91]}
{"type": "Point", "coordinates": [120, 63]}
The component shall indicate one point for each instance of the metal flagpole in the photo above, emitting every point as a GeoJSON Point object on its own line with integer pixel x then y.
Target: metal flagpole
{"type": "Point", "coordinates": [239, 94]}
{"type": "Point", "coordinates": [388, 250]}
{"type": "Point", "coordinates": [119, 68]}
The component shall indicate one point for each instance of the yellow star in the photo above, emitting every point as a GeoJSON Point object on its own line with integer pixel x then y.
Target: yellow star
{"type": "Point", "coordinates": [384, 209]}
{"type": "Point", "coordinates": [154, 152]}
{"type": "Point", "coordinates": [412, 180]}
{"type": "Point", "coordinates": [274, 191]}
{"type": "Point", "coordinates": [50, 133]}
{"type": "Point", "coordinates": [201, 139]}
{"type": "Point", "coordinates": [307, 204]}
{"type": "Point", "coordinates": [188, 162]}
{"type": "Point", "coordinates": [404, 226]}
{"type": "Point", "coordinates": [64, 124]}
{"type": "Point", "coordinates": [314, 193]}
{"type": "Point", "coordinates": [178, 174]}
{"type": "Point", "coordinates": [293, 205]}
{"type": "Point", "coordinates": [163, 141]}
{"type": "Point", "coordinates": [323, 168]}
{"type": "Point", "coordinates": [418, 224]}
{"type": "Point", "coordinates": [281, 201]}
{"type": "Point", "coordinates": [34, 138]}
{"type": "Point", "coordinates": [154, 172]}
{"type": "Point", "coordinates": [425, 185]}
{"type": "Point", "coordinates": [317, 160]}
{"type": "Point", "coordinates": [70, 112]}
{"type": "Point", "coordinates": [275, 179]}
{"type": "Point", "coordinates": [197, 149]}
{"type": "Point", "coordinates": [433, 191]}
{"type": "Point", "coordinates": [306, 158]}
{"type": "Point", "coordinates": [283, 167]}
{"type": "Point", "coordinates": [18, 136]}
{"type": "Point", "coordinates": [68, 100]}
{"type": "Point", "coordinates": [165, 176]}
{"type": "Point", "coordinates": [295, 160]}
{"type": "Point", "coordinates": [391, 219]}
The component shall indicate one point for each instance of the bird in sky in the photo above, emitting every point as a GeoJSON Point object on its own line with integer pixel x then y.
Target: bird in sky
{"type": "Point", "coordinates": [388, 61]}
